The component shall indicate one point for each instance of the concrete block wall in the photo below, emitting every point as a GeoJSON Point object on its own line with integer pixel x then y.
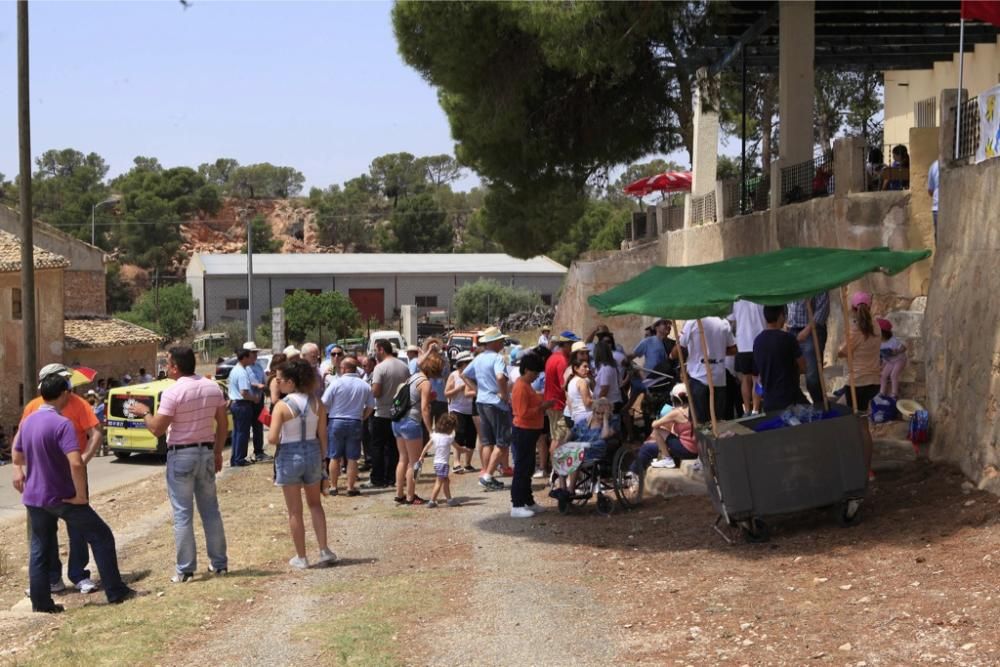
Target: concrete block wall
{"type": "Point", "coordinates": [86, 293]}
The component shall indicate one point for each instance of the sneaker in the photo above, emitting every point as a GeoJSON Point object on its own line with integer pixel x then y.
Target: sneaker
{"type": "Point", "coordinates": [262, 458]}
{"type": "Point", "coordinates": [535, 508]}
{"type": "Point", "coordinates": [299, 562]}
{"type": "Point", "coordinates": [241, 464]}
{"type": "Point", "coordinates": [57, 587]}
{"type": "Point", "coordinates": [471, 469]}
{"type": "Point", "coordinates": [327, 556]}
{"type": "Point", "coordinates": [332, 491]}
{"type": "Point", "coordinates": [539, 474]}
{"type": "Point", "coordinates": [399, 500]}
{"type": "Point", "coordinates": [353, 492]}
{"type": "Point", "coordinates": [182, 577]}
{"type": "Point", "coordinates": [521, 513]}
{"type": "Point", "coordinates": [221, 572]}
{"type": "Point", "coordinates": [454, 502]}
{"type": "Point", "coordinates": [86, 586]}
{"type": "Point", "coordinates": [663, 463]}
{"type": "Point", "coordinates": [372, 485]}
{"type": "Point", "coordinates": [486, 481]}
{"type": "Point", "coordinates": [431, 504]}
{"type": "Point", "coordinates": [417, 500]}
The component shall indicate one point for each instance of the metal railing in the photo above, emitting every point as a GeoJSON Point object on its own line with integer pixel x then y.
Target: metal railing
{"type": "Point", "coordinates": [968, 138]}
{"type": "Point", "coordinates": [671, 218]}
{"type": "Point", "coordinates": [925, 112]}
{"type": "Point", "coordinates": [806, 180]}
{"type": "Point", "coordinates": [703, 209]}
{"type": "Point", "coordinates": [740, 200]}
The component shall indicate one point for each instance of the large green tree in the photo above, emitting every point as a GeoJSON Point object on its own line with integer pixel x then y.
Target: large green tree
{"type": "Point", "coordinates": [419, 225]}
{"type": "Point", "coordinates": [262, 181]}
{"type": "Point", "coordinates": [262, 236]}
{"type": "Point", "coordinates": [328, 312]}
{"type": "Point", "coordinates": [66, 186]}
{"type": "Point", "coordinates": [166, 310]}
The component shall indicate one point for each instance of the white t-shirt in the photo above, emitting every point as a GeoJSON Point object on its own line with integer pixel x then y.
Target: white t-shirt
{"type": "Point", "coordinates": [608, 376]}
{"type": "Point", "coordinates": [461, 404]}
{"type": "Point", "coordinates": [442, 447]}
{"type": "Point", "coordinates": [750, 322]}
{"type": "Point", "coordinates": [719, 336]}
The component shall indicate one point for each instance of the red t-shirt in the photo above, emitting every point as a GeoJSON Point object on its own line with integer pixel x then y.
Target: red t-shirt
{"type": "Point", "coordinates": [555, 369]}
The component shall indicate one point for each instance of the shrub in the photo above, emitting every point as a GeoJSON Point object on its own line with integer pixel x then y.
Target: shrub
{"type": "Point", "coordinates": [485, 301]}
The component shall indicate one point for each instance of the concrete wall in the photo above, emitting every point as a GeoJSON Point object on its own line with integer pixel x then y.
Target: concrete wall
{"type": "Point", "coordinates": [961, 333]}
{"type": "Point", "coordinates": [115, 361]}
{"type": "Point", "coordinates": [905, 87]}
{"type": "Point", "coordinates": [49, 298]}
{"type": "Point", "coordinates": [85, 283]}
{"type": "Point", "coordinates": [269, 291]}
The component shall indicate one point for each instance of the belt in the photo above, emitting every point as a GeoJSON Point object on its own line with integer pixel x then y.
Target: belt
{"type": "Point", "coordinates": [207, 445]}
{"type": "Point", "coordinates": [713, 361]}
{"type": "Point", "coordinates": [349, 419]}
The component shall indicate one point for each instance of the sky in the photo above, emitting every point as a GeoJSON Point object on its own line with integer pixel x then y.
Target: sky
{"type": "Point", "coordinates": [318, 86]}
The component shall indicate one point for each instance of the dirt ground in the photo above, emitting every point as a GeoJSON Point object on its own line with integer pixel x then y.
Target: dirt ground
{"type": "Point", "coordinates": [912, 583]}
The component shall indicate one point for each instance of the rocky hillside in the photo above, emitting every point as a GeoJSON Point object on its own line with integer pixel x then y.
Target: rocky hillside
{"type": "Point", "coordinates": [291, 223]}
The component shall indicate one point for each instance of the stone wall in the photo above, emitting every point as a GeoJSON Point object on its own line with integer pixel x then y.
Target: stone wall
{"type": "Point", "coordinates": [963, 342]}
{"type": "Point", "coordinates": [115, 361]}
{"type": "Point", "coordinates": [86, 293]}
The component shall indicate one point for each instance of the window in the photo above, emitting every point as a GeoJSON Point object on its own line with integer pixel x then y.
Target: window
{"type": "Point", "coordinates": [237, 304]}
{"type": "Point", "coordinates": [15, 303]}
{"type": "Point", "coordinates": [314, 292]}
{"type": "Point", "coordinates": [547, 299]}
{"type": "Point", "coordinates": [427, 301]}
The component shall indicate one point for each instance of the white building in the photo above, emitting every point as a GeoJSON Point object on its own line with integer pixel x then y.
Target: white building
{"type": "Point", "coordinates": [377, 284]}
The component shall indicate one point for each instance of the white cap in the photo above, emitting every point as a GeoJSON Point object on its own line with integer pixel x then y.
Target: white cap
{"type": "Point", "coordinates": [250, 345]}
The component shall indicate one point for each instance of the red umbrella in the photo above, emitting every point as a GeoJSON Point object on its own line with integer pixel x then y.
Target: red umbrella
{"type": "Point", "coordinates": [671, 181]}
{"type": "Point", "coordinates": [82, 375]}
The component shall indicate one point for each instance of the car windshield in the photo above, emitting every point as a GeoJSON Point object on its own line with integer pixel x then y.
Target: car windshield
{"type": "Point", "coordinates": [464, 342]}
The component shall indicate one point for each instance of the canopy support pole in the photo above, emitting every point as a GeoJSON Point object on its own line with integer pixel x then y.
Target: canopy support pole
{"type": "Point", "coordinates": [711, 383]}
{"type": "Point", "coordinates": [684, 374]}
{"type": "Point", "coordinates": [819, 355]}
{"type": "Point", "coordinates": [850, 350]}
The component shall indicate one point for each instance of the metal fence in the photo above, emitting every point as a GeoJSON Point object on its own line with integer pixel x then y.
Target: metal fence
{"type": "Point", "coordinates": [703, 209]}
{"type": "Point", "coordinates": [806, 180]}
{"type": "Point", "coordinates": [925, 112]}
{"type": "Point", "coordinates": [968, 138]}
{"type": "Point", "coordinates": [740, 199]}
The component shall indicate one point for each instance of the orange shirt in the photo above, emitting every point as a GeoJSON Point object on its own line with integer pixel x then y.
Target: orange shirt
{"type": "Point", "coordinates": [77, 410]}
{"type": "Point", "coordinates": [527, 406]}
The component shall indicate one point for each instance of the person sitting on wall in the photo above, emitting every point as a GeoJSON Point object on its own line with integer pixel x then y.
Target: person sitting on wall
{"type": "Point", "coordinates": [900, 160]}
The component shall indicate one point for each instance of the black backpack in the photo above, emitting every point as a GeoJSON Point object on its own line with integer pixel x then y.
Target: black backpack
{"type": "Point", "coordinates": [401, 402]}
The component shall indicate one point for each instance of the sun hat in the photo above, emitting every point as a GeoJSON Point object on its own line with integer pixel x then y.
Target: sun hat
{"type": "Point", "coordinates": [908, 407]}
{"type": "Point", "coordinates": [412, 348]}
{"type": "Point", "coordinates": [546, 327]}
{"type": "Point", "coordinates": [859, 298]}
{"type": "Point", "coordinates": [463, 357]}
{"type": "Point", "coordinates": [884, 324]}
{"type": "Point", "coordinates": [250, 345]}
{"type": "Point", "coordinates": [292, 351]}
{"type": "Point", "coordinates": [579, 345]}
{"type": "Point", "coordinates": [490, 335]}
{"type": "Point", "coordinates": [54, 369]}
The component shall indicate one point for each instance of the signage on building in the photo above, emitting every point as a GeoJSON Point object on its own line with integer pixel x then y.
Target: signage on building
{"type": "Point", "coordinates": [989, 125]}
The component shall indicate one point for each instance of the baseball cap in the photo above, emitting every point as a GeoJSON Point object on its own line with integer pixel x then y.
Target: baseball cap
{"type": "Point", "coordinates": [570, 336]}
{"type": "Point", "coordinates": [54, 369]}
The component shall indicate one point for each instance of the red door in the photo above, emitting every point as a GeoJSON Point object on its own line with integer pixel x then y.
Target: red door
{"type": "Point", "coordinates": [369, 302]}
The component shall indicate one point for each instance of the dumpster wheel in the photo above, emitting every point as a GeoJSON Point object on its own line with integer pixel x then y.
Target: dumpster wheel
{"type": "Point", "coordinates": [849, 512]}
{"type": "Point", "coordinates": [755, 531]}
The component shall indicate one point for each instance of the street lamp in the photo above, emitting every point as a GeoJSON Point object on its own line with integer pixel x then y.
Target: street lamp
{"type": "Point", "coordinates": [93, 217]}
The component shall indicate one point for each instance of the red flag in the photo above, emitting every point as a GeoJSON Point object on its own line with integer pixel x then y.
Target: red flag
{"type": "Point", "coordinates": [983, 10]}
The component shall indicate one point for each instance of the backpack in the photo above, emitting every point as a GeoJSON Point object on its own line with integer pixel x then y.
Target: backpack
{"type": "Point", "coordinates": [919, 427]}
{"type": "Point", "coordinates": [883, 409]}
{"type": "Point", "coordinates": [401, 402]}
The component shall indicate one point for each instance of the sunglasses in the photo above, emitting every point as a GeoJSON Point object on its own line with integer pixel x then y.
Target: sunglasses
{"type": "Point", "coordinates": [336, 354]}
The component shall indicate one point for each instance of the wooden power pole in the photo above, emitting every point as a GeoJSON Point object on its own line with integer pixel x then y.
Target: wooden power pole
{"type": "Point", "coordinates": [29, 323]}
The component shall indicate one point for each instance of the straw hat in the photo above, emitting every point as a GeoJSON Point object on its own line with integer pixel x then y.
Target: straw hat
{"type": "Point", "coordinates": [292, 351]}
{"type": "Point", "coordinates": [908, 407]}
{"type": "Point", "coordinates": [578, 345]}
{"type": "Point", "coordinates": [250, 345]}
{"type": "Point", "coordinates": [490, 335]}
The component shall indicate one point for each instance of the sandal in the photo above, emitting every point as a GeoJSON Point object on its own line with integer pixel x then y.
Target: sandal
{"type": "Point", "coordinates": [417, 500]}
{"type": "Point", "coordinates": [471, 469]}
{"type": "Point", "coordinates": [399, 500]}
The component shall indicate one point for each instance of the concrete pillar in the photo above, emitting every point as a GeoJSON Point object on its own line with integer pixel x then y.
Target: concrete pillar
{"type": "Point", "coordinates": [796, 85]}
{"type": "Point", "coordinates": [705, 140]}
{"type": "Point", "coordinates": [946, 141]}
{"type": "Point", "coordinates": [408, 317]}
{"type": "Point", "coordinates": [720, 201]}
{"type": "Point", "coordinates": [849, 165]}
{"type": "Point", "coordinates": [651, 229]}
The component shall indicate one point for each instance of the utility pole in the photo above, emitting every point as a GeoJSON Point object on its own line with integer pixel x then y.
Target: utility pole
{"type": "Point", "coordinates": [29, 339]}
{"type": "Point", "coordinates": [246, 216]}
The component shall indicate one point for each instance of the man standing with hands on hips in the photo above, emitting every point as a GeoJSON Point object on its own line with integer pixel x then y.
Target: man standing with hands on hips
{"type": "Point", "coordinates": [245, 394]}
{"type": "Point", "coordinates": [192, 414]}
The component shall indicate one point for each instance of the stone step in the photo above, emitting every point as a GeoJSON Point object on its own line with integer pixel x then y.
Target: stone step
{"type": "Point", "coordinates": [892, 454]}
{"type": "Point", "coordinates": [667, 482]}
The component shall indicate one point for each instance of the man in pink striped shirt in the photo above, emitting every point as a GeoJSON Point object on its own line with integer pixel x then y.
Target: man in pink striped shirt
{"type": "Point", "coordinates": [192, 414]}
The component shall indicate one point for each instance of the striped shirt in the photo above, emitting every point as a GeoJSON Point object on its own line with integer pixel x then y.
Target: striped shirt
{"type": "Point", "coordinates": [191, 402]}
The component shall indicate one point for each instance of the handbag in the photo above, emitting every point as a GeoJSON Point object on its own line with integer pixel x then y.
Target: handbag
{"type": "Point", "coordinates": [265, 416]}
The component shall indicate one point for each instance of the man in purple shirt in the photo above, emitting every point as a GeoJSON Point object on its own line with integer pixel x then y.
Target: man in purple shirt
{"type": "Point", "coordinates": [54, 488]}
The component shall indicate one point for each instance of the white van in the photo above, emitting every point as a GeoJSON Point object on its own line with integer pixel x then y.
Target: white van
{"type": "Point", "coordinates": [394, 337]}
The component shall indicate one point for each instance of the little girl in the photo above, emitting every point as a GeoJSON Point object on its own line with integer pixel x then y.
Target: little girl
{"type": "Point", "coordinates": [893, 355]}
{"type": "Point", "coordinates": [442, 440]}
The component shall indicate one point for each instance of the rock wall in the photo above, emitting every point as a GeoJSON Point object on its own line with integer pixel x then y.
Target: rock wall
{"type": "Point", "coordinates": [963, 341]}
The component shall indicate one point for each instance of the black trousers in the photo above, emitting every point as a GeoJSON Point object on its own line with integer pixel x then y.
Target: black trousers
{"type": "Point", "coordinates": [523, 441]}
{"type": "Point", "coordinates": [700, 401]}
{"type": "Point", "coordinates": [366, 440]}
{"type": "Point", "coordinates": [385, 456]}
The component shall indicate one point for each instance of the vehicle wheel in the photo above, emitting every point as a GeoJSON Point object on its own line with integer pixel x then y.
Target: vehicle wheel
{"type": "Point", "coordinates": [849, 512]}
{"type": "Point", "coordinates": [755, 531]}
{"type": "Point", "coordinates": [627, 484]}
{"type": "Point", "coordinates": [563, 503]}
{"type": "Point", "coordinates": [121, 456]}
{"type": "Point", "coordinates": [604, 505]}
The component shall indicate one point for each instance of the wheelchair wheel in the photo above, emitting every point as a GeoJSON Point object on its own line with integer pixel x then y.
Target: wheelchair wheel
{"type": "Point", "coordinates": [563, 504]}
{"type": "Point", "coordinates": [628, 485]}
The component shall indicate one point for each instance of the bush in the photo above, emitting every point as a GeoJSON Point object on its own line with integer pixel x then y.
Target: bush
{"type": "Point", "coordinates": [172, 318]}
{"type": "Point", "coordinates": [486, 301]}
{"type": "Point", "coordinates": [326, 313]}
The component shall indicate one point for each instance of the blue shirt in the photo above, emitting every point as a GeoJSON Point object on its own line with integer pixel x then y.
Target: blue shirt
{"type": "Point", "coordinates": [239, 381]}
{"type": "Point", "coordinates": [652, 352]}
{"type": "Point", "coordinates": [484, 370]}
{"type": "Point", "coordinates": [411, 365]}
{"type": "Point", "coordinates": [347, 396]}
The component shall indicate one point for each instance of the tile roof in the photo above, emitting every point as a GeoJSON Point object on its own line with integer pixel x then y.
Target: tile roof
{"type": "Point", "coordinates": [376, 263]}
{"type": "Point", "coordinates": [10, 255]}
{"type": "Point", "coordinates": [105, 332]}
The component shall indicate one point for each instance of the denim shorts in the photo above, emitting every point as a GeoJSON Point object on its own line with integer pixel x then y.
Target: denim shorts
{"type": "Point", "coordinates": [494, 424]}
{"type": "Point", "coordinates": [408, 429]}
{"type": "Point", "coordinates": [344, 439]}
{"type": "Point", "coordinates": [298, 463]}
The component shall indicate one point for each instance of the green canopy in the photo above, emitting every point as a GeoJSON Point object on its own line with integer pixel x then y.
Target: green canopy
{"type": "Point", "coordinates": [771, 279]}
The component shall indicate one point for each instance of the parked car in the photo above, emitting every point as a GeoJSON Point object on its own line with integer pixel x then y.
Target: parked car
{"type": "Point", "coordinates": [396, 338]}
{"type": "Point", "coordinates": [461, 341]}
{"type": "Point", "coordinates": [222, 370]}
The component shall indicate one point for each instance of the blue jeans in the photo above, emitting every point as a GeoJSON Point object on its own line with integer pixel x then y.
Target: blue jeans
{"type": "Point", "coordinates": [343, 438]}
{"type": "Point", "coordinates": [244, 414]}
{"type": "Point", "coordinates": [190, 479]}
{"type": "Point", "coordinates": [82, 518]}
{"type": "Point", "coordinates": [812, 366]}
{"type": "Point", "coordinates": [79, 558]}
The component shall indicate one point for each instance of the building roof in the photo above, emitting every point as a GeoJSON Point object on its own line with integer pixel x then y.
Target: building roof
{"type": "Point", "coordinates": [94, 332]}
{"type": "Point", "coordinates": [373, 264]}
{"type": "Point", "coordinates": [10, 255]}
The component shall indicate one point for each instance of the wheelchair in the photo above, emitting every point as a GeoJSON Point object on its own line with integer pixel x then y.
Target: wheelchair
{"type": "Point", "coordinates": [612, 468]}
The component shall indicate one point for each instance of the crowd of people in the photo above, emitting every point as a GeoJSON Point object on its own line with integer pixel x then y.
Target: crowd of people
{"type": "Point", "coordinates": [332, 415]}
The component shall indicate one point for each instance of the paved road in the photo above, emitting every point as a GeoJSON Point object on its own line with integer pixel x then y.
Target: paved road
{"type": "Point", "coordinates": [105, 473]}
